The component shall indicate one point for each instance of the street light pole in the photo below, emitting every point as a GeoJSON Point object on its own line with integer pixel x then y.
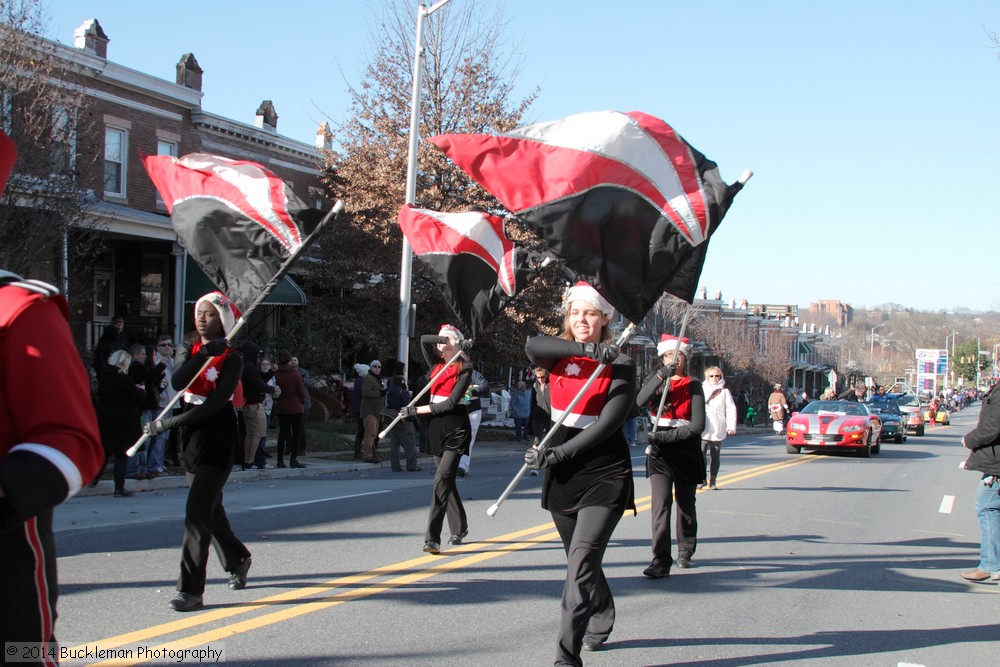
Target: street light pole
{"type": "Point", "coordinates": [406, 264]}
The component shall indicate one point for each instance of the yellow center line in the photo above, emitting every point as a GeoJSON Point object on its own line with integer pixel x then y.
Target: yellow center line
{"type": "Point", "coordinates": [306, 603]}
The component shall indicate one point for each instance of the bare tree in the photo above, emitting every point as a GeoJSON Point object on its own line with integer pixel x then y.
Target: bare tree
{"type": "Point", "coordinates": [43, 221]}
{"type": "Point", "coordinates": [467, 88]}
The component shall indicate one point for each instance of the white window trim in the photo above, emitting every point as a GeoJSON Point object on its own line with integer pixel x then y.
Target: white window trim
{"type": "Point", "coordinates": [123, 194]}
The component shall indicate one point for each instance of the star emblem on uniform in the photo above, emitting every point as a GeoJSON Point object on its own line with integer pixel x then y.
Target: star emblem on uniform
{"type": "Point", "coordinates": [212, 374]}
{"type": "Point", "coordinates": [572, 369]}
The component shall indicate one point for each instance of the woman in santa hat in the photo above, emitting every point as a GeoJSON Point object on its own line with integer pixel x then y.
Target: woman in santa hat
{"type": "Point", "coordinates": [208, 431]}
{"type": "Point", "coordinates": [675, 464]}
{"type": "Point", "coordinates": [448, 431]}
{"type": "Point", "coordinates": [588, 469]}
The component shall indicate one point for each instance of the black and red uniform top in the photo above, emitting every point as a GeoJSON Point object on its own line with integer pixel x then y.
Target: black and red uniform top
{"type": "Point", "coordinates": [50, 445]}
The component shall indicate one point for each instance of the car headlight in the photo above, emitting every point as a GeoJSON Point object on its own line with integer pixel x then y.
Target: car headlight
{"type": "Point", "coordinates": [853, 429]}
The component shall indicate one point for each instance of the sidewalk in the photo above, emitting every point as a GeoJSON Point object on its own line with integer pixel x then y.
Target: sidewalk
{"type": "Point", "coordinates": [319, 463]}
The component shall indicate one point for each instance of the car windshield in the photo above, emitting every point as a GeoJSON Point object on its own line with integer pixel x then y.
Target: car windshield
{"type": "Point", "coordinates": [909, 400]}
{"type": "Point", "coordinates": [884, 407]}
{"type": "Point", "coordinates": [836, 407]}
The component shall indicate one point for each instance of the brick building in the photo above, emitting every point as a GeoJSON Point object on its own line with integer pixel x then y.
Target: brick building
{"type": "Point", "coordinates": [142, 273]}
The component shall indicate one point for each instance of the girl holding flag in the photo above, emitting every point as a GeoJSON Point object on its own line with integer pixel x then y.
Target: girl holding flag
{"type": "Point", "coordinates": [588, 470]}
{"type": "Point", "coordinates": [208, 431]}
{"type": "Point", "coordinates": [448, 431]}
{"type": "Point", "coordinates": [675, 464]}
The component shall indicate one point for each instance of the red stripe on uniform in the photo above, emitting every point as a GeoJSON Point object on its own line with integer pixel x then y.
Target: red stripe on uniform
{"type": "Point", "coordinates": [46, 614]}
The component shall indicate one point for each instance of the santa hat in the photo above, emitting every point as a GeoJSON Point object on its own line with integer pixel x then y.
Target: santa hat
{"type": "Point", "coordinates": [228, 312]}
{"type": "Point", "coordinates": [586, 293]}
{"type": "Point", "coordinates": [8, 153]}
{"type": "Point", "coordinates": [449, 331]}
{"type": "Point", "coordinates": [668, 343]}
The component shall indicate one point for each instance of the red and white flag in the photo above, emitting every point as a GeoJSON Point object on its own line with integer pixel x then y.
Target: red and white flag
{"type": "Point", "coordinates": [237, 219]}
{"type": "Point", "coordinates": [475, 265]}
{"type": "Point", "coordinates": [620, 197]}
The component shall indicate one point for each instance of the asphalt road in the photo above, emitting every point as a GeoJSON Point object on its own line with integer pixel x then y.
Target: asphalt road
{"type": "Point", "coordinates": [826, 560]}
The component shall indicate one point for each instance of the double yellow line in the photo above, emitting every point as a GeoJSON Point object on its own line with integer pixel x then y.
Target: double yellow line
{"type": "Point", "coordinates": [311, 599]}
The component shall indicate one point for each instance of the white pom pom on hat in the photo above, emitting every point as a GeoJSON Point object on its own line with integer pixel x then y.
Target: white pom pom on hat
{"type": "Point", "coordinates": [668, 343]}
{"type": "Point", "coordinates": [585, 292]}
{"type": "Point", "coordinates": [228, 312]}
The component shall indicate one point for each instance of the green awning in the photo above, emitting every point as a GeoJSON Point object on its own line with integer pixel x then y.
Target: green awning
{"type": "Point", "coordinates": [804, 348]}
{"type": "Point", "coordinates": [197, 284]}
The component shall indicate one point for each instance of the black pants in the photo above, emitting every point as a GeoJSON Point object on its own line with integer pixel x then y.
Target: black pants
{"type": "Point", "coordinates": [446, 500]}
{"type": "Point", "coordinates": [289, 432]}
{"type": "Point", "coordinates": [664, 490]}
{"type": "Point", "coordinates": [712, 449]}
{"type": "Point", "coordinates": [588, 609]}
{"type": "Point", "coordinates": [28, 561]}
{"type": "Point", "coordinates": [206, 523]}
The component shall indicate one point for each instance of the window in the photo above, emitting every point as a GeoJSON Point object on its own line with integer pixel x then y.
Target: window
{"type": "Point", "coordinates": [63, 140]}
{"type": "Point", "coordinates": [104, 287]}
{"type": "Point", "coordinates": [164, 147]}
{"type": "Point", "coordinates": [115, 151]}
{"type": "Point", "coordinates": [151, 285]}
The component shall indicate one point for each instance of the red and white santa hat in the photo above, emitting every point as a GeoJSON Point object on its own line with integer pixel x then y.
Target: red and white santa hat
{"type": "Point", "coordinates": [668, 343]}
{"type": "Point", "coordinates": [228, 312]}
{"type": "Point", "coordinates": [8, 154]}
{"type": "Point", "coordinates": [449, 331]}
{"type": "Point", "coordinates": [585, 292]}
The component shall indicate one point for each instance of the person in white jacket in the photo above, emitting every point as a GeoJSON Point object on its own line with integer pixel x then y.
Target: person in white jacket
{"type": "Point", "coordinates": [720, 420]}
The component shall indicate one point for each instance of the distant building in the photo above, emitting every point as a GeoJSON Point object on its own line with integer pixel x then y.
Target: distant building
{"type": "Point", "coordinates": [842, 312]}
{"type": "Point", "coordinates": [773, 311]}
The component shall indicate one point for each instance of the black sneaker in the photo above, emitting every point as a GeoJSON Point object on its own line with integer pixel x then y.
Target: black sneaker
{"type": "Point", "coordinates": [684, 562]}
{"type": "Point", "coordinates": [432, 547]}
{"type": "Point", "coordinates": [185, 602]}
{"type": "Point", "coordinates": [296, 464]}
{"type": "Point", "coordinates": [238, 579]}
{"type": "Point", "coordinates": [593, 645]}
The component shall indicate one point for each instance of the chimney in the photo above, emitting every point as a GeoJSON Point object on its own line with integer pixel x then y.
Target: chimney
{"type": "Point", "coordinates": [718, 295]}
{"type": "Point", "coordinates": [324, 137]}
{"type": "Point", "coordinates": [189, 73]}
{"type": "Point", "coordinates": [267, 117]}
{"type": "Point", "coordinates": [91, 38]}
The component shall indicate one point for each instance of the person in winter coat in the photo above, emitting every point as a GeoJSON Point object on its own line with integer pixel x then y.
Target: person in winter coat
{"type": "Point", "coordinates": [984, 457]}
{"type": "Point", "coordinates": [720, 420]}
{"type": "Point", "coordinates": [777, 408]}
{"type": "Point", "coordinates": [290, 408]}
{"type": "Point", "coordinates": [118, 414]}
{"type": "Point", "coordinates": [255, 389]}
{"type": "Point", "coordinates": [360, 371]}
{"type": "Point", "coordinates": [520, 408]}
{"type": "Point", "coordinates": [675, 464]}
{"type": "Point", "coordinates": [373, 391]}
{"type": "Point", "coordinates": [402, 436]}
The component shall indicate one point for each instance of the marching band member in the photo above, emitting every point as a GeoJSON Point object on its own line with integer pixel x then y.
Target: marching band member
{"type": "Point", "coordinates": [675, 464]}
{"type": "Point", "coordinates": [588, 470]}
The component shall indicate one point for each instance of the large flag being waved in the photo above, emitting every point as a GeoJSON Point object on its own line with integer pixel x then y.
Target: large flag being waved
{"type": "Point", "coordinates": [620, 197]}
{"type": "Point", "coordinates": [237, 220]}
{"type": "Point", "coordinates": [475, 265]}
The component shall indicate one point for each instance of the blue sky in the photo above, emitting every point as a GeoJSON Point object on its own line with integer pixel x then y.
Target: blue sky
{"type": "Point", "coordinates": [872, 128]}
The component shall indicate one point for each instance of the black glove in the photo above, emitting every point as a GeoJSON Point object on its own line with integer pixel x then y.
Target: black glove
{"type": "Point", "coordinates": [465, 345]}
{"type": "Point", "coordinates": [408, 411]}
{"type": "Point", "coordinates": [666, 372]}
{"type": "Point", "coordinates": [153, 428]}
{"type": "Point", "coordinates": [214, 348]}
{"type": "Point", "coordinates": [601, 352]}
{"type": "Point", "coordinates": [539, 458]}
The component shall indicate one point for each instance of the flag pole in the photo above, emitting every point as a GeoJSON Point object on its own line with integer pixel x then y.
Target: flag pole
{"type": "Point", "coordinates": [423, 391]}
{"type": "Point", "coordinates": [265, 291]}
{"type": "Point", "coordinates": [622, 339]}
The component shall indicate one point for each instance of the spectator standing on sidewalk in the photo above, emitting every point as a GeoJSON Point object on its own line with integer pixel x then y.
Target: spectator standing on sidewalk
{"type": "Point", "coordinates": [402, 435]}
{"type": "Point", "coordinates": [372, 403]}
{"type": "Point", "coordinates": [984, 457]}
{"type": "Point", "coordinates": [307, 382]}
{"type": "Point", "coordinates": [290, 408]}
{"type": "Point", "coordinates": [255, 390]}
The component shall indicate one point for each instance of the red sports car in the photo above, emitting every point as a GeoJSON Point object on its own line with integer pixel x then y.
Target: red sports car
{"type": "Point", "coordinates": [834, 425]}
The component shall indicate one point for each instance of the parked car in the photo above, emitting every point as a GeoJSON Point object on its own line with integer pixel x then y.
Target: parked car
{"type": "Point", "coordinates": [892, 419]}
{"type": "Point", "coordinates": [834, 425]}
{"type": "Point", "coordinates": [913, 412]}
{"type": "Point", "coordinates": [942, 416]}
